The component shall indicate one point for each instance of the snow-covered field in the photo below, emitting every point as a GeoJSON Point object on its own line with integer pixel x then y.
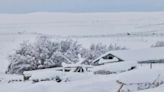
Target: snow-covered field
{"type": "Point", "coordinates": [91, 83]}
{"type": "Point", "coordinates": [133, 30]}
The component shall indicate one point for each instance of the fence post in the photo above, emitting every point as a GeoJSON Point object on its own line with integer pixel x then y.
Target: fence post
{"type": "Point", "coordinates": [151, 65]}
{"type": "Point", "coordinates": [121, 83]}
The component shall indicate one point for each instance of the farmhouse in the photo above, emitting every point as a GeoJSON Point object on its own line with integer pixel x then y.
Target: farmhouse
{"type": "Point", "coordinates": [141, 56]}
{"type": "Point", "coordinates": [112, 62]}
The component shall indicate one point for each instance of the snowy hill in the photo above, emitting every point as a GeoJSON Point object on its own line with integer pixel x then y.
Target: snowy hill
{"type": "Point", "coordinates": [83, 23]}
{"type": "Point", "coordinates": [134, 30]}
{"type": "Point", "coordinates": [144, 29]}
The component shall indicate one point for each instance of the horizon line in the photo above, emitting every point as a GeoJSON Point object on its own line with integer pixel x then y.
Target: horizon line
{"type": "Point", "coordinates": [80, 12]}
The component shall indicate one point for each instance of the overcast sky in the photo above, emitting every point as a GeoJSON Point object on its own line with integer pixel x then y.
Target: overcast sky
{"type": "Point", "coordinates": [25, 6]}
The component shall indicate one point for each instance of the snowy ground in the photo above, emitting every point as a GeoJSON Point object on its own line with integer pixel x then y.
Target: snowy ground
{"type": "Point", "coordinates": [90, 82]}
{"type": "Point", "coordinates": [145, 29]}
{"type": "Point", "coordinates": [96, 84]}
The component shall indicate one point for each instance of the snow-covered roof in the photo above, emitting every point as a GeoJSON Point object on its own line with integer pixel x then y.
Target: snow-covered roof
{"type": "Point", "coordinates": [137, 54]}
{"type": "Point", "coordinates": [115, 67]}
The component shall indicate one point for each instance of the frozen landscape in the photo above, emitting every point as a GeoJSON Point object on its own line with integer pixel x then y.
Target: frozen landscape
{"type": "Point", "coordinates": [135, 31]}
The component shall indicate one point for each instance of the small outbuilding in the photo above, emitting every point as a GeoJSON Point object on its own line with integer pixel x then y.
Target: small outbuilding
{"type": "Point", "coordinates": [147, 56]}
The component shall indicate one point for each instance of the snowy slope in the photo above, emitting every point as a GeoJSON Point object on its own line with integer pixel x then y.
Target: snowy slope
{"type": "Point", "coordinates": [83, 23]}
{"type": "Point", "coordinates": [87, 28]}
{"type": "Point", "coordinates": [145, 28]}
{"type": "Point", "coordinates": [114, 26]}
{"type": "Point", "coordinates": [86, 84]}
{"type": "Point", "coordinates": [89, 83]}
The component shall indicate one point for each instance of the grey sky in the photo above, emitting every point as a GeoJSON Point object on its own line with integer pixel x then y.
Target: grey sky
{"type": "Point", "coordinates": [24, 6]}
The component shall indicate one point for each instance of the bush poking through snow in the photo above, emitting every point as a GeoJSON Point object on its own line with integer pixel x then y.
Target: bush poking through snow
{"type": "Point", "coordinates": [131, 87]}
{"type": "Point", "coordinates": [58, 79]}
{"type": "Point", "coordinates": [35, 81]}
{"type": "Point", "coordinates": [104, 72]}
{"type": "Point", "coordinates": [159, 44]}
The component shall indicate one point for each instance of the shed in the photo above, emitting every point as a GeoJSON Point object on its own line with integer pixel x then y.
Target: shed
{"type": "Point", "coordinates": [141, 56]}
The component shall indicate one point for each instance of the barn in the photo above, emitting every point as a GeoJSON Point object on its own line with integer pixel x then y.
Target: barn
{"type": "Point", "coordinates": [146, 56]}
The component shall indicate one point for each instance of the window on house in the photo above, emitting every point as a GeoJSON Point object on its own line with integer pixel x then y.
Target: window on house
{"type": "Point", "coordinates": [108, 57]}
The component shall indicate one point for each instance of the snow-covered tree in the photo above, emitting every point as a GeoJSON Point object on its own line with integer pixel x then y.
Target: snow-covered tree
{"type": "Point", "coordinates": [44, 49]}
{"type": "Point", "coordinates": [70, 49]}
{"type": "Point", "coordinates": [22, 59]}
{"type": "Point", "coordinates": [43, 53]}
